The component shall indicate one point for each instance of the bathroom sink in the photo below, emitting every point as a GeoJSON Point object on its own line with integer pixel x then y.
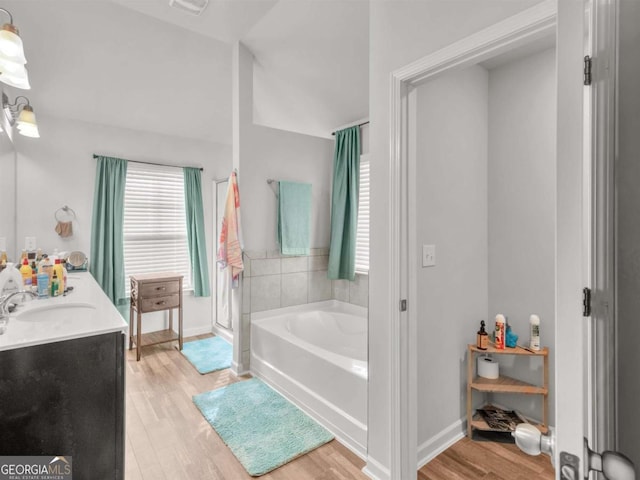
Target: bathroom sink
{"type": "Point", "coordinates": [60, 311]}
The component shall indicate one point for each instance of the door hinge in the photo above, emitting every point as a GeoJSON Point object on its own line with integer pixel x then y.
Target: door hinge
{"type": "Point", "coordinates": [586, 302]}
{"type": "Point", "coordinates": [587, 70]}
{"type": "Point", "coordinates": [403, 305]}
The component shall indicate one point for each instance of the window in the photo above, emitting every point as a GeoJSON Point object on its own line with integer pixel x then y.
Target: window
{"type": "Point", "coordinates": [155, 230]}
{"type": "Point", "coordinates": [362, 237]}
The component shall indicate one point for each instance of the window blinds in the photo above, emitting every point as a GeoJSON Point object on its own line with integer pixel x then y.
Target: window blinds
{"type": "Point", "coordinates": [155, 231]}
{"type": "Point", "coordinates": [362, 237]}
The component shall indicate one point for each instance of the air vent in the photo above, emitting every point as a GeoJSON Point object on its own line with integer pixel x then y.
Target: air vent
{"type": "Point", "coordinates": [195, 7]}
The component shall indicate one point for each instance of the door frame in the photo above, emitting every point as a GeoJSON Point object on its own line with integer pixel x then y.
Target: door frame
{"type": "Point", "coordinates": [503, 36]}
{"type": "Point", "coordinates": [602, 102]}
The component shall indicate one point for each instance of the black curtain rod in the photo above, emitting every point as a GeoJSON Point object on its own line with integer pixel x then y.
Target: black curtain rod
{"type": "Point", "coordinates": [359, 125]}
{"type": "Point", "coordinates": [151, 163]}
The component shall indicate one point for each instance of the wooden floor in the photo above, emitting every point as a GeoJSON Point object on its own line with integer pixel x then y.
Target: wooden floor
{"type": "Point", "coordinates": [167, 437]}
{"type": "Point", "coordinates": [468, 459]}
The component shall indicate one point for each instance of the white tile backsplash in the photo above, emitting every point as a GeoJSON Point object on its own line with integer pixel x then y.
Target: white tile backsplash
{"type": "Point", "coordinates": [265, 293]}
{"type": "Point", "coordinates": [267, 266]}
{"type": "Point", "coordinates": [295, 288]}
{"type": "Point", "coordinates": [320, 288]}
{"type": "Point", "coordinates": [294, 264]}
{"type": "Point", "coordinates": [272, 281]}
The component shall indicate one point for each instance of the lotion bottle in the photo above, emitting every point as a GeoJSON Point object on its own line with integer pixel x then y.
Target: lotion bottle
{"type": "Point", "coordinates": [534, 332]}
{"type": "Point", "coordinates": [482, 340]}
{"type": "Point", "coordinates": [500, 332]}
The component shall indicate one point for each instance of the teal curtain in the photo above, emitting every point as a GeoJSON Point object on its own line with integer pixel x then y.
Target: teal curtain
{"type": "Point", "coordinates": [344, 204]}
{"type": "Point", "coordinates": [107, 243]}
{"type": "Point", "coordinates": [195, 231]}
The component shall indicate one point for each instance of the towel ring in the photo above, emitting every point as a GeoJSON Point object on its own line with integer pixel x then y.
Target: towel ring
{"type": "Point", "coordinates": [62, 211]}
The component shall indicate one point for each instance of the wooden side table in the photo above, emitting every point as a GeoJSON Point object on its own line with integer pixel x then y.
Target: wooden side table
{"type": "Point", "coordinates": [155, 292]}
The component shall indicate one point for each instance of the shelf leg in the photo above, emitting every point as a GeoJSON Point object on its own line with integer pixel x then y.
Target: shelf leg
{"type": "Point", "coordinates": [469, 394]}
{"type": "Point", "coordinates": [139, 336]}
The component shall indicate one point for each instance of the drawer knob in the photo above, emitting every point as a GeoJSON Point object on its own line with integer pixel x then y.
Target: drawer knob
{"type": "Point", "coordinates": [160, 288]}
{"type": "Point", "coordinates": [161, 303]}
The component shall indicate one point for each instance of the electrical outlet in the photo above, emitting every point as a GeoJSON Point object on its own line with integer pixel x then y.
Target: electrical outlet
{"type": "Point", "coordinates": [428, 255]}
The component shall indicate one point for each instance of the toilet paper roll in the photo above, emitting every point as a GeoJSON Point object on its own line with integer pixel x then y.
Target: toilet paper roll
{"type": "Point", "coordinates": [488, 367]}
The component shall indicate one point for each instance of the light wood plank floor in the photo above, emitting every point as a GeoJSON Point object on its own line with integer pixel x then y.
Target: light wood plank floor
{"type": "Point", "coordinates": [468, 459]}
{"type": "Point", "coordinates": [167, 437]}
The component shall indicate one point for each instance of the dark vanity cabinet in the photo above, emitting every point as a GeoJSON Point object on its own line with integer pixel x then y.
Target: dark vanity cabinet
{"type": "Point", "coordinates": [66, 399]}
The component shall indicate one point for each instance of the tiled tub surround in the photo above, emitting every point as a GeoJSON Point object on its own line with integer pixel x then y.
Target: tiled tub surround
{"type": "Point", "coordinates": [274, 281]}
{"type": "Point", "coordinates": [271, 281]}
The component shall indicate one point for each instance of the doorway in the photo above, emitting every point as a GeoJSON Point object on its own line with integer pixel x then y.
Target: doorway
{"type": "Point", "coordinates": [516, 33]}
{"type": "Point", "coordinates": [485, 162]}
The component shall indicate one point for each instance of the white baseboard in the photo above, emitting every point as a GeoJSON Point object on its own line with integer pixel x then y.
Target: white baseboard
{"type": "Point", "coordinates": [223, 332]}
{"type": "Point", "coordinates": [193, 331]}
{"type": "Point", "coordinates": [442, 440]}
{"type": "Point", "coordinates": [375, 470]}
{"type": "Point", "coordinates": [239, 369]}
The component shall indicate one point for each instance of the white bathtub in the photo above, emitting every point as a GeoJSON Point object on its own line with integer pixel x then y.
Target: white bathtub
{"type": "Point", "coordinates": [316, 355]}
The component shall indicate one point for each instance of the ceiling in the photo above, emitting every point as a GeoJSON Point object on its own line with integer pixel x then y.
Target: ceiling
{"type": "Point", "coordinates": [143, 65]}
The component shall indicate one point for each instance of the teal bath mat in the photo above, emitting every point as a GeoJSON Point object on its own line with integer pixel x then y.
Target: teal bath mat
{"type": "Point", "coordinates": [208, 354]}
{"type": "Point", "coordinates": [263, 429]}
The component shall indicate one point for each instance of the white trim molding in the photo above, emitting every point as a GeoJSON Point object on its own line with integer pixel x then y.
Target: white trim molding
{"type": "Point", "coordinates": [529, 25]}
{"type": "Point", "coordinates": [442, 440]}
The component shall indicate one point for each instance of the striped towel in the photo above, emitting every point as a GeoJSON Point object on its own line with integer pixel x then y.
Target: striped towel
{"type": "Point", "coordinates": [230, 244]}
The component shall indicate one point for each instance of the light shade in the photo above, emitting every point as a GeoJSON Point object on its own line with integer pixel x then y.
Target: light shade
{"type": "Point", "coordinates": [14, 74]}
{"type": "Point", "coordinates": [26, 123]}
{"type": "Point", "coordinates": [12, 59]}
{"type": "Point", "coordinates": [11, 44]}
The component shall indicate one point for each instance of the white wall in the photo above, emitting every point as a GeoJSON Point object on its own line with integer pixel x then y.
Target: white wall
{"type": "Point", "coordinates": [628, 232]}
{"type": "Point", "coordinates": [452, 136]}
{"type": "Point", "coordinates": [280, 155]}
{"type": "Point", "coordinates": [522, 206]}
{"type": "Point", "coordinates": [58, 169]}
{"type": "Point", "coordinates": [261, 153]}
{"type": "Point", "coordinates": [401, 32]}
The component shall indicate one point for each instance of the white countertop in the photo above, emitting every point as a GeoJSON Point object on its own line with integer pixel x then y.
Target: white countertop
{"type": "Point", "coordinates": [84, 312]}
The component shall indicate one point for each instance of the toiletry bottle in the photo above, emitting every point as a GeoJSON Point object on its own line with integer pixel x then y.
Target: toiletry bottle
{"type": "Point", "coordinates": [26, 272]}
{"type": "Point", "coordinates": [482, 339]}
{"type": "Point", "coordinates": [46, 266]}
{"type": "Point", "coordinates": [534, 336]}
{"type": "Point", "coordinates": [54, 284]}
{"type": "Point", "coordinates": [34, 274]}
{"type": "Point", "coordinates": [57, 270]}
{"type": "Point", "coordinates": [500, 332]}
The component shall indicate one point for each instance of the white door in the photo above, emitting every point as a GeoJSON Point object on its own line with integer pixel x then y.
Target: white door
{"type": "Point", "coordinates": [585, 152]}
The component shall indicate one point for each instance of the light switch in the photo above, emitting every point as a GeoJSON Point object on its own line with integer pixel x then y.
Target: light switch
{"type": "Point", "coordinates": [428, 255]}
{"type": "Point", "coordinates": [29, 244]}
{"type": "Point", "coordinates": [3, 244]}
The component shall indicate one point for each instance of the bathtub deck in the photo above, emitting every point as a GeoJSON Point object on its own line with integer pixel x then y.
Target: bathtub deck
{"type": "Point", "coordinates": [167, 437]}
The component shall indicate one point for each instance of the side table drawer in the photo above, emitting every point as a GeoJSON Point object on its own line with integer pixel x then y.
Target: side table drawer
{"type": "Point", "coordinates": [159, 303]}
{"type": "Point", "coordinates": [159, 288]}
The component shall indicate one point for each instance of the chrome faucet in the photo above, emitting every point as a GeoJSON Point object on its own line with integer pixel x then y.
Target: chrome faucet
{"type": "Point", "coordinates": [4, 300]}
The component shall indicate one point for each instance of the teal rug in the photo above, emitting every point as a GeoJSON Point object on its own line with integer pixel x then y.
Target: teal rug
{"type": "Point", "coordinates": [263, 429]}
{"type": "Point", "coordinates": [208, 354]}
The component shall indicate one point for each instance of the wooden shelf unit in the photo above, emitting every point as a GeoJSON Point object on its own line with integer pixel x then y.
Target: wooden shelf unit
{"type": "Point", "coordinates": [155, 292]}
{"type": "Point", "coordinates": [504, 384]}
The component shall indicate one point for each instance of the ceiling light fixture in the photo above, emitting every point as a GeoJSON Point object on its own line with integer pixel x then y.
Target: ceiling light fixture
{"type": "Point", "coordinates": [194, 7]}
{"type": "Point", "coordinates": [22, 116]}
{"type": "Point", "coordinates": [12, 61]}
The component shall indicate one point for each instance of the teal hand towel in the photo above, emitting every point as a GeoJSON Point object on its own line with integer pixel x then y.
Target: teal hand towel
{"type": "Point", "coordinates": [294, 218]}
